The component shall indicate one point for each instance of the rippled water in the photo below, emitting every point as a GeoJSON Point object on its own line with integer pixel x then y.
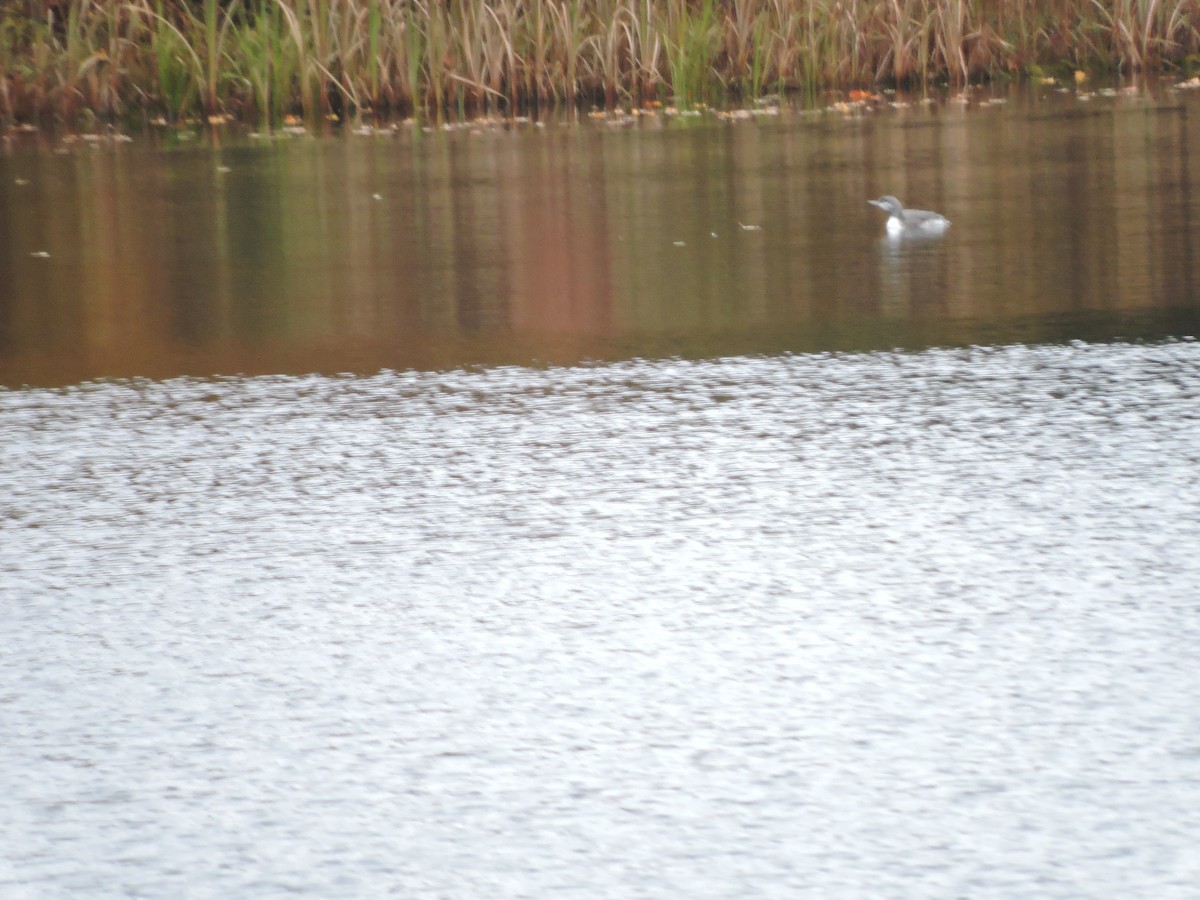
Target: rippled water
{"type": "Point", "coordinates": [889, 624]}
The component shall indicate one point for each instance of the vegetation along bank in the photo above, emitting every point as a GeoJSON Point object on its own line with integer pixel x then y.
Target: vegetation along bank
{"type": "Point", "coordinates": [261, 60]}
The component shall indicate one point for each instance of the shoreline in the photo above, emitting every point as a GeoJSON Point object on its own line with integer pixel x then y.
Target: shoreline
{"type": "Point", "coordinates": [847, 105]}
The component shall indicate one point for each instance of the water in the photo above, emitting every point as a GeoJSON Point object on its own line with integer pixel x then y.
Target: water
{"type": "Point", "coordinates": [1072, 220]}
{"type": "Point", "coordinates": [468, 591]}
{"type": "Point", "coordinates": [895, 624]}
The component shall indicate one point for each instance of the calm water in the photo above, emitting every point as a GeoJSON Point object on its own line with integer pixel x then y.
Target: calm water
{"type": "Point", "coordinates": [479, 541]}
{"type": "Point", "coordinates": [1071, 220]}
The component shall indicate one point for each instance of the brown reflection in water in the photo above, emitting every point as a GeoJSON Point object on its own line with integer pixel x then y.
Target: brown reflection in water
{"type": "Point", "coordinates": [558, 238]}
{"type": "Point", "coordinates": [431, 251]}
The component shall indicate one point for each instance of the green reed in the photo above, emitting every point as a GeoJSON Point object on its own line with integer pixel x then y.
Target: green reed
{"type": "Point", "coordinates": [692, 39]}
{"type": "Point", "coordinates": [177, 66]}
{"type": "Point", "coordinates": [316, 58]}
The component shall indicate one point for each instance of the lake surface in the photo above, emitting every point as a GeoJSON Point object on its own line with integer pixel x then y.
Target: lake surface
{"type": "Point", "coordinates": [480, 541]}
{"type": "Point", "coordinates": [1071, 220]}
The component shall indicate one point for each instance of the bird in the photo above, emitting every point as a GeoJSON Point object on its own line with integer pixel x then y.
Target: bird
{"type": "Point", "coordinates": [910, 222]}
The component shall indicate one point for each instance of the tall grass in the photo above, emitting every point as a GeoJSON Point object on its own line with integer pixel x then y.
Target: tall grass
{"type": "Point", "coordinates": [267, 59]}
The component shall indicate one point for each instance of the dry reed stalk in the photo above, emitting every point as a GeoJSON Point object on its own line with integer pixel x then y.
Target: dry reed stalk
{"type": "Point", "coordinates": [503, 55]}
{"type": "Point", "coordinates": [645, 48]}
{"type": "Point", "coordinates": [783, 57]}
{"type": "Point", "coordinates": [950, 36]}
{"type": "Point", "coordinates": [571, 37]}
{"type": "Point", "coordinates": [612, 65]}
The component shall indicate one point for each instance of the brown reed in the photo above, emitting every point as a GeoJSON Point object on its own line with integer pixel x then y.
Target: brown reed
{"type": "Point", "coordinates": [319, 58]}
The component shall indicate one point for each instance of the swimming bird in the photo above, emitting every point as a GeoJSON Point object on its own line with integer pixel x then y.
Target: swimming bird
{"type": "Point", "coordinates": [910, 222]}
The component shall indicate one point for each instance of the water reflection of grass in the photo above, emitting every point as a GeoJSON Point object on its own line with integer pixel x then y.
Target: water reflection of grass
{"type": "Point", "coordinates": [267, 58]}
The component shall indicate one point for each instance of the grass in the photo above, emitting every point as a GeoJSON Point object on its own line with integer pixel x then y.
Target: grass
{"type": "Point", "coordinates": [265, 59]}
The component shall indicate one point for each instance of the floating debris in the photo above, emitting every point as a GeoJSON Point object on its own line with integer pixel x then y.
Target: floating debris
{"type": "Point", "coordinates": [859, 102]}
{"type": "Point", "coordinates": [92, 139]}
{"type": "Point", "coordinates": [21, 182]}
